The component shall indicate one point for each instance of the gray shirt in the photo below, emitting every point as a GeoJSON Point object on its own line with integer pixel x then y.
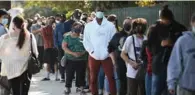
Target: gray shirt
{"type": "Point", "coordinates": [37, 36]}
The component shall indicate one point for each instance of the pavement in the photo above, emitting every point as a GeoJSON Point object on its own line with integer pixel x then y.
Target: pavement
{"type": "Point", "coordinates": [51, 87]}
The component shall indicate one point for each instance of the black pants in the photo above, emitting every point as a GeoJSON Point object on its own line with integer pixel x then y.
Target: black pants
{"type": "Point", "coordinates": [75, 66]}
{"type": "Point", "coordinates": [41, 53]}
{"type": "Point", "coordinates": [121, 72]}
{"type": "Point", "coordinates": [135, 87]}
{"type": "Point", "coordinates": [20, 85]}
{"type": "Point", "coordinates": [62, 69]}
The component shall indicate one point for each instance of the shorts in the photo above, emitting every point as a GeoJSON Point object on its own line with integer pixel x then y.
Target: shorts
{"type": "Point", "coordinates": [50, 56]}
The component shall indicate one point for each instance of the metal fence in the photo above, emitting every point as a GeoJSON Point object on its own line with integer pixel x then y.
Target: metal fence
{"type": "Point", "coordinates": [181, 10]}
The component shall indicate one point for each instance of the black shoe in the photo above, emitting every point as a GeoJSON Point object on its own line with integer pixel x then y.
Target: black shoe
{"type": "Point", "coordinates": [82, 93]}
{"type": "Point", "coordinates": [67, 91]}
{"type": "Point", "coordinates": [62, 81]}
{"type": "Point", "coordinates": [46, 79]}
{"type": "Point", "coordinates": [86, 87]}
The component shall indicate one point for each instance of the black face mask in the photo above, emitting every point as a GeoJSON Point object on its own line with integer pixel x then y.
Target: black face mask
{"type": "Point", "coordinates": [127, 27]}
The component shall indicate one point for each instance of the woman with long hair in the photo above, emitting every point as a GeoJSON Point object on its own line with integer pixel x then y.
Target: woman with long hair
{"type": "Point", "coordinates": [15, 51]}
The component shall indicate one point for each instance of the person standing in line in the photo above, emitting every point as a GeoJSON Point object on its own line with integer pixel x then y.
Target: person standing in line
{"type": "Point", "coordinates": [116, 45]}
{"type": "Point", "coordinates": [15, 48]}
{"type": "Point", "coordinates": [50, 55]}
{"type": "Point", "coordinates": [76, 58]}
{"type": "Point", "coordinates": [112, 18]}
{"type": "Point", "coordinates": [165, 34]}
{"type": "Point", "coordinates": [146, 57]}
{"type": "Point", "coordinates": [180, 72]}
{"type": "Point", "coordinates": [101, 31]}
{"type": "Point", "coordinates": [3, 30]}
{"type": "Point", "coordinates": [59, 35]}
{"type": "Point", "coordinates": [39, 39]}
{"type": "Point", "coordinates": [131, 54]}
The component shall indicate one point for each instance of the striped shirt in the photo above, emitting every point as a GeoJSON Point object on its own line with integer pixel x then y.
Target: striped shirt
{"type": "Point", "coordinates": [14, 60]}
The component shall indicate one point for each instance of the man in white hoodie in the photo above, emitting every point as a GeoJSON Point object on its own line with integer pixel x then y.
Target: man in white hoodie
{"type": "Point", "coordinates": [97, 35]}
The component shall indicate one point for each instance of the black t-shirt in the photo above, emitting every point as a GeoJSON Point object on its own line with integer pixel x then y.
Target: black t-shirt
{"type": "Point", "coordinates": [116, 45]}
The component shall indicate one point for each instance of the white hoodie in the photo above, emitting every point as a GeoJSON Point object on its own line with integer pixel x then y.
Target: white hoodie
{"type": "Point", "coordinates": [97, 37]}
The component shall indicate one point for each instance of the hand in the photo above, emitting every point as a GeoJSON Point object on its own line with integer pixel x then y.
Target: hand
{"type": "Point", "coordinates": [76, 54]}
{"type": "Point", "coordinates": [172, 92]}
{"type": "Point", "coordinates": [166, 42]}
{"type": "Point", "coordinates": [135, 65]}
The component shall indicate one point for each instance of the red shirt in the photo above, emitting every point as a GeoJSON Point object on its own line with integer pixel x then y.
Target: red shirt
{"type": "Point", "coordinates": [149, 65]}
{"type": "Point", "coordinates": [47, 33]}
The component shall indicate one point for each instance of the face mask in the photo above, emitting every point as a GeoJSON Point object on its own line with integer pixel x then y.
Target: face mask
{"type": "Point", "coordinates": [193, 29]}
{"type": "Point", "coordinates": [127, 27]}
{"type": "Point", "coordinates": [76, 30]}
{"type": "Point", "coordinates": [4, 21]}
{"type": "Point", "coordinates": [57, 21]}
{"type": "Point", "coordinates": [39, 23]}
{"type": "Point", "coordinates": [99, 15]}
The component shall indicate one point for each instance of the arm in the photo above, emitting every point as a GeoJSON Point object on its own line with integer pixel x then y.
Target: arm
{"type": "Point", "coordinates": [37, 31]}
{"type": "Point", "coordinates": [125, 50]}
{"type": "Point", "coordinates": [174, 66]}
{"type": "Point", "coordinates": [113, 57]}
{"type": "Point", "coordinates": [34, 45]}
{"type": "Point", "coordinates": [56, 37]}
{"type": "Point", "coordinates": [66, 49]}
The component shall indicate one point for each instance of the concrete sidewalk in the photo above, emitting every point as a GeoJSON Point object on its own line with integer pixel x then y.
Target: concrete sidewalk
{"type": "Point", "coordinates": [52, 87]}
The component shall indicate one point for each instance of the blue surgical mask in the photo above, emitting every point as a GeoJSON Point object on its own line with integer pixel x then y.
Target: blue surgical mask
{"type": "Point", "coordinates": [99, 15]}
{"type": "Point", "coordinates": [4, 21]}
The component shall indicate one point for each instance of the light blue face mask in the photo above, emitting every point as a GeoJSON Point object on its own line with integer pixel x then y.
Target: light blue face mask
{"type": "Point", "coordinates": [99, 15]}
{"type": "Point", "coordinates": [4, 21]}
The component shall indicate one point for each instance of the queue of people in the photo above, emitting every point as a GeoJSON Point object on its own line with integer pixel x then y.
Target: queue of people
{"type": "Point", "coordinates": [99, 55]}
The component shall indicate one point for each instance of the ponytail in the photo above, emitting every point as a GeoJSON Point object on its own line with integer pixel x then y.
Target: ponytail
{"type": "Point", "coordinates": [19, 23]}
{"type": "Point", "coordinates": [21, 38]}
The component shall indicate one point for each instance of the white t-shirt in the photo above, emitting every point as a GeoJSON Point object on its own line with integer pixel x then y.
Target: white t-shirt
{"type": "Point", "coordinates": [128, 47]}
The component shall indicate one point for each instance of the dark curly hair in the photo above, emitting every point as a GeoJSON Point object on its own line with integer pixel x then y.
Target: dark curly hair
{"type": "Point", "coordinates": [139, 25]}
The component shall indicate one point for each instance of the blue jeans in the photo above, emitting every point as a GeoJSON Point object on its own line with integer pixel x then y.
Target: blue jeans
{"type": "Point", "coordinates": [148, 84]}
{"type": "Point", "coordinates": [106, 85]}
{"type": "Point", "coordinates": [159, 84]}
{"type": "Point", "coordinates": [101, 78]}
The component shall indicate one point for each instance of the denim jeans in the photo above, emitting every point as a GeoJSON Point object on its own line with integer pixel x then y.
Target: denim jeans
{"type": "Point", "coordinates": [101, 78]}
{"type": "Point", "coordinates": [148, 84]}
{"type": "Point", "coordinates": [106, 84]}
{"type": "Point", "coordinates": [159, 85]}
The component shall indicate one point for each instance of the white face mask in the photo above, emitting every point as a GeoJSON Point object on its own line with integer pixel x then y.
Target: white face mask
{"type": "Point", "coordinates": [39, 23]}
{"type": "Point", "coordinates": [57, 21]}
{"type": "Point", "coordinates": [4, 21]}
{"type": "Point", "coordinates": [99, 15]}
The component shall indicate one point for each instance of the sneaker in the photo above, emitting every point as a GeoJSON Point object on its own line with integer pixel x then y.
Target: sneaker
{"type": "Point", "coordinates": [46, 79]}
{"type": "Point", "coordinates": [78, 90]}
{"type": "Point", "coordinates": [67, 91]}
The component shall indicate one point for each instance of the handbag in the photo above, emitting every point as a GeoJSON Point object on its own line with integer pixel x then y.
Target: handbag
{"type": "Point", "coordinates": [33, 63]}
{"type": "Point", "coordinates": [141, 69]}
{"type": "Point", "coordinates": [63, 61]}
